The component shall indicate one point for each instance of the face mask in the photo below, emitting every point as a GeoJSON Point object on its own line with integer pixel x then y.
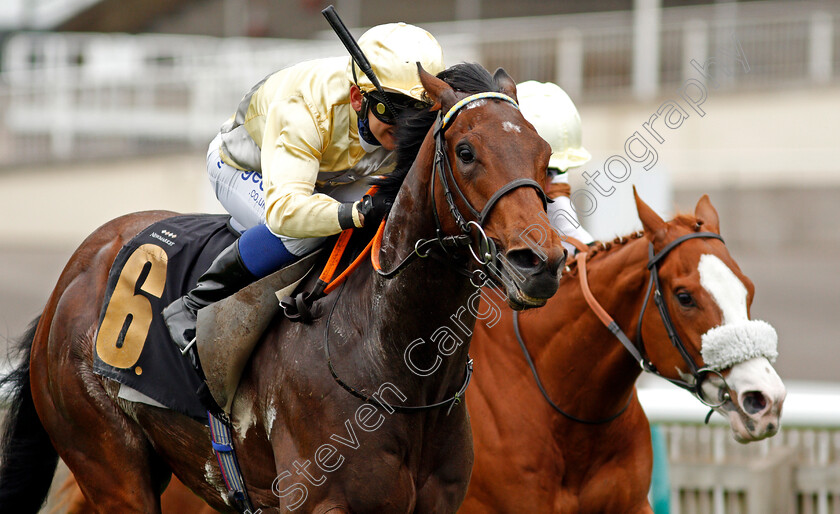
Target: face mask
{"type": "Point", "coordinates": [366, 138]}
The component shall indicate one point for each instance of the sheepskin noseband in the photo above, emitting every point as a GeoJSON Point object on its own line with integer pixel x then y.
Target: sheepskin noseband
{"type": "Point", "coordinates": [736, 342]}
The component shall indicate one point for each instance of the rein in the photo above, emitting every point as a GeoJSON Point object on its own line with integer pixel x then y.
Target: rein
{"type": "Point", "coordinates": [533, 367]}
{"type": "Point", "coordinates": [637, 348]}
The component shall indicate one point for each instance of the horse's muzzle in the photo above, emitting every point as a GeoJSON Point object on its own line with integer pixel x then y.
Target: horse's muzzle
{"type": "Point", "coordinates": [532, 278]}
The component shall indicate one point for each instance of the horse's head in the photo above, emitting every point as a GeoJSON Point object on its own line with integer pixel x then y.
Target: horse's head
{"type": "Point", "coordinates": [490, 166]}
{"type": "Point", "coordinates": [708, 300]}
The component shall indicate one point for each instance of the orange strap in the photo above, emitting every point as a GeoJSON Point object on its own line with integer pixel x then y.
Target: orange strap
{"type": "Point", "coordinates": [335, 256]}
{"type": "Point", "coordinates": [350, 269]}
{"type": "Point", "coordinates": [377, 245]}
{"type": "Point", "coordinates": [587, 293]}
{"type": "Point", "coordinates": [576, 243]}
{"type": "Point", "coordinates": [338, 252]}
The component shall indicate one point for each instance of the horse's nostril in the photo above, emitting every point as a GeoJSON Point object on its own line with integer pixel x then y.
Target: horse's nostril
{"type": "Point", "coordinates": [524, 259]}
{"type": "Point", "coordinates": [553, 267]}
{"type": "Point", "coordinates": [754, 402]}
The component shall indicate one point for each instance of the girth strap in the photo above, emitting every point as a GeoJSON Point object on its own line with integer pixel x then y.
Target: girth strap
{"type": "Point", "coordinates": [222, 442]}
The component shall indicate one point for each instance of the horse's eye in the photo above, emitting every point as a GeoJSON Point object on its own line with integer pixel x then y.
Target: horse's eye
{"type": "Point", "coordinates": [465, 154]}
{"type": "Point", "coordinates": [685, 299]}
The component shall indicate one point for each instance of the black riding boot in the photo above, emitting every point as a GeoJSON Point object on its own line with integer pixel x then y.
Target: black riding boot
{"type": "Point", "coordinates": [225, 276]}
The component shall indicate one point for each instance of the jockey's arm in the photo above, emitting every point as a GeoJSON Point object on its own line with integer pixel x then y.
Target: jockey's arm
{"type": "Point", "coordinates": [292, 149]}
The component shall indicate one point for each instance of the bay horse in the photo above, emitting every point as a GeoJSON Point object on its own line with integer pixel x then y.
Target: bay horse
{"type": "Point", "coordinates": [596, 456]}
{"type": "Point", "coordinates": [393, 447]}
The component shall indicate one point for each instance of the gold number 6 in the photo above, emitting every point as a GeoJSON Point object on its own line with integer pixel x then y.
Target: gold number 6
{"type": "Point", "coordinates": [129, 316]}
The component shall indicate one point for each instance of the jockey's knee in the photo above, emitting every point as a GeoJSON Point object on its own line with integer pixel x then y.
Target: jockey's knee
{"type": "Point", "coordinates": [263, 252]}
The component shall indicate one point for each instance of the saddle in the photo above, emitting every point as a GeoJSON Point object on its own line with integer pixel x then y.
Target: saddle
{"type": "Point", "coordinates": [228, 330]}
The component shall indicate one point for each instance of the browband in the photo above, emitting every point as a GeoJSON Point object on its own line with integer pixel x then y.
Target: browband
{"type": "Point", "coordinates": [478, 96]}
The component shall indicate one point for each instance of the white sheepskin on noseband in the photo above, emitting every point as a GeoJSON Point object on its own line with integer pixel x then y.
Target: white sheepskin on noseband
{"type": "Point", "coordinates": [732, 343]}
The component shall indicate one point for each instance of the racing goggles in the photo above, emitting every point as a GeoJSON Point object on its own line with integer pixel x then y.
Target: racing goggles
{"type": "Point", "coordinates": [401, 103]}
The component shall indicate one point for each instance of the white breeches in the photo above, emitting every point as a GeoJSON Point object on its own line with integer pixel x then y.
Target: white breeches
{"type": "Point", "coordinates": [241, 194]}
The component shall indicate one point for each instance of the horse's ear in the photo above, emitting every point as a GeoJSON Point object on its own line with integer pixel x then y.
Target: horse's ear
{"type": "Point", "coordinates": [505, 83]}
{"type": "Point", "coordinates": [707, 215]}
{"type": "Point", "coordinates": [439, 91]}
{"type": "Point", "coordinates": [654, 225]}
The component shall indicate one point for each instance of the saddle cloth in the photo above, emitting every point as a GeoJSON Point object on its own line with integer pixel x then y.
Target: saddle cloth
{"type": "Point", "coordinates": [152, 270]}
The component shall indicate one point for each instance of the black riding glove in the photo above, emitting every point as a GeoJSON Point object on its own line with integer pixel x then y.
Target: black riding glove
{"type": "Point", "coordinates": [374, 208]}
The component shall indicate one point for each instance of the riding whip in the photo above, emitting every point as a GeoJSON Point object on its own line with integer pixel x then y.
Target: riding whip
{"type": "Point", "coordinates": [355, 51]}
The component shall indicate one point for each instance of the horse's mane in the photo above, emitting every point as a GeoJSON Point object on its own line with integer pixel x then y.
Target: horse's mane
{"type": "Point", "coordinates": [467, 78]}
{"type": "Point", "coordinates": [601, 248]}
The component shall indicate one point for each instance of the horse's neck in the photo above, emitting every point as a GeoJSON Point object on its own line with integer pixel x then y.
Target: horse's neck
{"type": "Point", "coordinates": [421, 300]}
{"type": "Point", "coordinates": [582, 362]}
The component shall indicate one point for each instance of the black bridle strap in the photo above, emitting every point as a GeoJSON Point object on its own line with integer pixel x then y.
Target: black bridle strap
{"type": "Point", "coordinates": [654, 259]}
{"type": "Point", "coordinates": [444, 168]}
{"type": "Point", "coordinates": [533, 367]}
{"type": "Point", "coordinates": [637, 350]}
{"type": "Point", "coordinates": [510, 186]}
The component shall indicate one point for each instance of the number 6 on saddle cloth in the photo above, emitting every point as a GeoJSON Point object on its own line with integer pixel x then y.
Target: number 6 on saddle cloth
{"type": "Point", "coordinates": [133, 345]}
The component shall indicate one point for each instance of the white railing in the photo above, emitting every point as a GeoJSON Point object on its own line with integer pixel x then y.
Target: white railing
{"type": "Point", "coordinates": [84, 95]}
{"type": "Point", "coordinates": [796, 471]}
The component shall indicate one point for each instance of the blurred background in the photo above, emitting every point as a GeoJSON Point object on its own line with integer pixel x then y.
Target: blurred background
{"type": "Point", "coordinates": [107, 106]}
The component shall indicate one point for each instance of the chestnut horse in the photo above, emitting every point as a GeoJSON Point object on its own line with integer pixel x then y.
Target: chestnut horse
{"type": "Point", "coordinates": [529, 457]}
{"type": "Point", "coordinates": [371, 452]}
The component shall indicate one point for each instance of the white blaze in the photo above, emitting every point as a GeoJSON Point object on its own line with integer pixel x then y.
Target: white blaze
{"type": "Point", "coordinates": [747, 347]}
{"type": "Point", "coordinates": [737, 339]}
{"type": "Point", "coordinates": [729, 292]}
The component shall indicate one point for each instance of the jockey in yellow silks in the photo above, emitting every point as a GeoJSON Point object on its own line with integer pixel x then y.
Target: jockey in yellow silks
{"type": "Point", "coordinates": [553, 114]}
{"type": "Point", "coordinates": [287, 165]}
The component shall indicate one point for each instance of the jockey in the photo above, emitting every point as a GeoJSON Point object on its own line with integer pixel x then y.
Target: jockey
{"type": "Point", "coordinates": [550, 110]}
{"type": "Point", "coordinates": [283, 166]}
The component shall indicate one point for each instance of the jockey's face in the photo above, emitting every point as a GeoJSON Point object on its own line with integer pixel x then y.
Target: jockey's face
{"type": "Point", "coordinates": [383, 132]}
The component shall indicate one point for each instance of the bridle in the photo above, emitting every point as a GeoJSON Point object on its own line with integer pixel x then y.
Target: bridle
{"type": "Point", "coordinates": [698, 374]}
{"type": "Point", "coordinates": [637, 349]}
{"type": "Point", "coordinates": [486, 255]}
{"type": "Point", "coordinates": [423, 247]}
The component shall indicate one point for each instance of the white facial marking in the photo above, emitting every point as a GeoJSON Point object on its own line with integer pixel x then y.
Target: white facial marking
{"type": "Point", "coordinates": [729, 292]}
{"type": "Point", "coordinates": [510, 127]}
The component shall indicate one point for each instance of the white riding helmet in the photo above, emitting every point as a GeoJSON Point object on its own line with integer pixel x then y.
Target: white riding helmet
{"type": "Point", "coordinates": [393, 50]}
{"type": "Point", "coordinates": [550, 110]}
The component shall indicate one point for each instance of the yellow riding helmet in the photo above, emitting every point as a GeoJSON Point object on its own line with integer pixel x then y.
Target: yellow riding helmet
{"type": "Point", "coordinates": [550, 110]}
{"type": "Point", "coordinates": [393, 49]}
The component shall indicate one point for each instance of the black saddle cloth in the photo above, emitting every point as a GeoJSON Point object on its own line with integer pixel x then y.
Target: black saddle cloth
{"type": "Point", "coordinates": [156, 267]}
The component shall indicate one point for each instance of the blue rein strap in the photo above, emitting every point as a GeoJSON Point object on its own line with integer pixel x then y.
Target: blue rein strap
{"type": "Point", "coordinates": [222, 442]}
